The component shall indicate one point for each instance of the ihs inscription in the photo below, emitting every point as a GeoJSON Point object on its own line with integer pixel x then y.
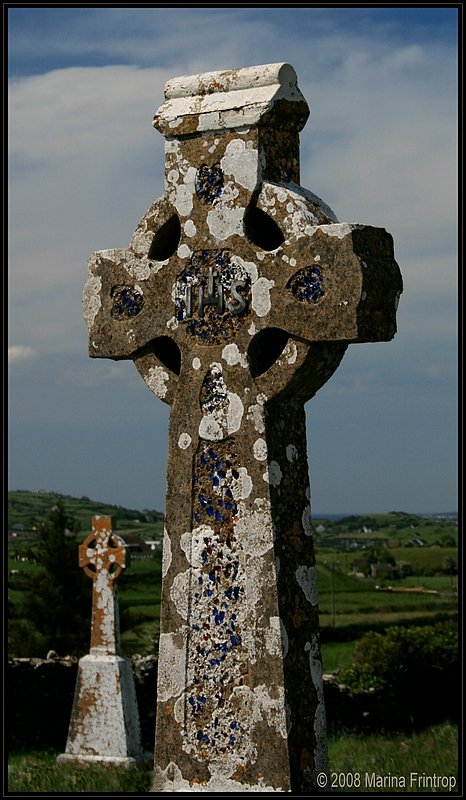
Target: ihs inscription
{"type": "Point", "coordinates": [211, 295]}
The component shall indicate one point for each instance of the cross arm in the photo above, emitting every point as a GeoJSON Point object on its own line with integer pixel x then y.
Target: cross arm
{"type": "Point", "coordinates": [122, 308]}
{"type": "Point", "coordinates": [339, 283]}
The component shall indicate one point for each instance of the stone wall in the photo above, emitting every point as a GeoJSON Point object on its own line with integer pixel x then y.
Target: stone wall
{"type": "Point", "coordinates": [39, 696]}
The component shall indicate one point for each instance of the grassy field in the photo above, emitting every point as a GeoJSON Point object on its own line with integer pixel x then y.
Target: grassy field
{"type": "Point", "coordinates": [362, 760]}
{"type": "Point", "coordinates": [352, 602]}
{"type": "Point", "coordinates": [345, 601]}
{"type": "Point", "coordinates": [404, 762]}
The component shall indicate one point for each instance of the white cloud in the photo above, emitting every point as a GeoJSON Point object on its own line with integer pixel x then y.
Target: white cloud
{"type": "Point", "coordinates": [85, 164]}
{"type": "Point", "coordinates": [21, 352]}
{"type": "Point", "coordinates": [380, 148]}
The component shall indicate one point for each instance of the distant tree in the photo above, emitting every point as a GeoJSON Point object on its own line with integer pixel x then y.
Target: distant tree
{"type": "Point", "coordinates": [56, 610]}
{"type": "Point", "coordinates": [375, 555]}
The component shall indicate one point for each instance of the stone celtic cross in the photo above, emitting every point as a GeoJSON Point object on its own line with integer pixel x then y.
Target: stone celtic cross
{"type": "Point", "coordinates": [236, 300]}
{"type": "Point", "coordinates": [104, 725]}
{"type": "Point", "coordinates": [102, 555]}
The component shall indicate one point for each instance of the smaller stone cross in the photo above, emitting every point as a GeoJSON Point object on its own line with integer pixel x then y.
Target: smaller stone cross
{"type": "Point", "coordinates": [102, 555]}
{"type": "Point", "coordinates": [104, 725]}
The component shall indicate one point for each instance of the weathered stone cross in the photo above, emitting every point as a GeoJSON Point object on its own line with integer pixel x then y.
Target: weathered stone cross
{"type": "Point", "coordinates": [102, 555]}
{"type": "Point", "coordinates": [236, 299]}
{"type": "Point", "coordinates": [104, 725]}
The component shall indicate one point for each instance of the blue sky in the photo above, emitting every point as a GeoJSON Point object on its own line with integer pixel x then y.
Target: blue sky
{"type": "Point", "coordinates": [85, 163]}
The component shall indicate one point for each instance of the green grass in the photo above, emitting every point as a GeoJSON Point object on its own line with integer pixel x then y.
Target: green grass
{"type": "Point", "coordinates": [139, 600]}
{"type": "Point", "coordinates": [355, 601]}
{"type": "Point", "coordinates": [336, 655]}
{"type": "Point", "coordinates": [429, 753]}
{"type": "Point", "coordinates": [38, 772]}
{"type": "Point", "coordinates": [353, 758]}
{"type": "Point", "coordinates": [425, 558]}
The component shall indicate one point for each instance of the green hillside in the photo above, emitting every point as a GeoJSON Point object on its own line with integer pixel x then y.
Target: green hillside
{"type": "Point", "coordinates": [27, 509]}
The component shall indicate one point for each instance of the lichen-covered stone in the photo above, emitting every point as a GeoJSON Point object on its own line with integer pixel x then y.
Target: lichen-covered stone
{"type": "Point", "coordinates": [236, 299]}
{"type": "Point", "coordinates": [104, 724]}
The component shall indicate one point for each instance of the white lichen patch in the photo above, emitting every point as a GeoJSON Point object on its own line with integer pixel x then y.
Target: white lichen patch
{"type": "Point", "coordinates": [261, 301]}
{"type": "Point", "coordinates": [130, 336]}
{"type": "Point", "coordinates": [225, 221]}
{"type": "Point", "coordinates": [210, 429]}
{"type": "Point", "coordinates": [180, 593]}
{"type": "Point", "coordinates": [273, 474]}
{"type": "Point", "coordinates": [183, 251]}
{"type": "Point", "coordinates": [241, 162]}
{"type": "Point", "coordinates": [248, 267]}
{"type": "Point", "coordinates": [172, 666]}
{"type": "Point", "coordinates": [306, 520]}
{"type": "Point", "coordinates": [189, 228]}
{"type": "Point", "coordinates": [294, 196]}
{"type": "Point", "coordinates": [307, 580]}
{"type": "Point", "coordinates": [184, 441]}
{"type": "Point", "coordinates": [91, 298]}
{"type": "Point", "coordinates": [232, 355]}
{"type": "Point", "coordinates": [156, 380]}
{"type": "Point", "coordinates": [192, 543]}
{"type": "Point", "coordinates": [241, 486]}
{"type": "Point", "coordinates": [315, 664]}
{"type": "Point", "coordinates": [183, 200]}
{"type": "Point", "coordinates": [255, 529]}
{"type": "Point", "coordinates": [166, 553]}
{"type": "Point", "coordinates": [270, 708]}
{"type": "Point", "coordinates": [171, 780]}
{"type": "Point", "coordinates": [291, 453]}
{"type": "Point", "coordinates": [234, 413]}
{"type": "Point", "coordinates": [289, 353]}
{"type": "Point", "coordinates": [172, 324]}
{"type": "Point", "coordinates": [273, 637]}
{"type": "Point", "coordinates": [225, 418]}
{"type": "Point", "coordinates": [180, 189]}
{"type": "Point", "coordinates": [256, 413]}
{"type": "Point", "coordinates": [140, 268]}
{"type": "Point", "coordinates": [260, 449]}
{"type": "Point", "coordinates": [196, 363]}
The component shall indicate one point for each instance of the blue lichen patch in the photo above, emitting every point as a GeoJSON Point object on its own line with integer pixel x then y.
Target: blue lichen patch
{"type": "Point", "coordinates": [127, 302]}
{"type": "Point", "coordinates": [217, 658]}
{"type": "Point", "coordinates": [214, 394]}
{"type": "Point", "coordinates": [306, 284]}
{"type": "Point", "coordinates": [209, 182]}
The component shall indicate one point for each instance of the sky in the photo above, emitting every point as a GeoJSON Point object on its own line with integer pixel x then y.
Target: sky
{"type": "Point", "coordinates": [85, 164]}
